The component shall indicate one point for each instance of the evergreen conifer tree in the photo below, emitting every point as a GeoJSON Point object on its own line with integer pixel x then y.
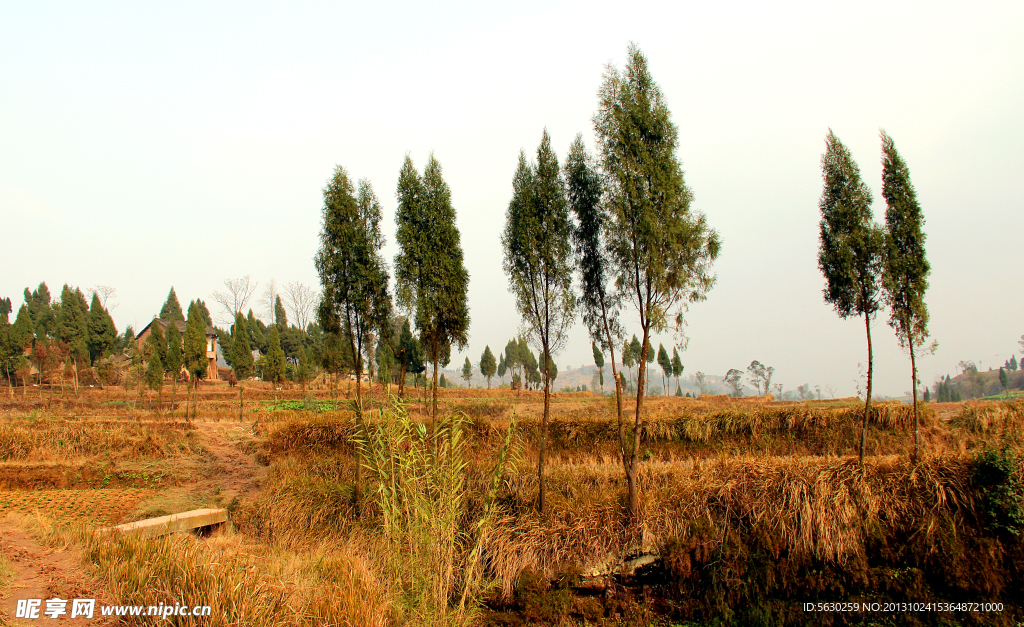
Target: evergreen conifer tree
{"type": "Point", "coordinates": [273, 362]}
{"type": "Point", "coordinates": [852, 248]}
{"type": "Point", "coordinates": [666, 366]}
{"type": "Point", "coordinates": [430, 276]}
{"type": "Point", "coordinates": [241, 357]}
{"type": "Point", "coordinates": [677, 368]}
{"type": "Point", "coordinates": [487, 366]}
{"type": "Point", "coordinates": [173, 358]}
{"type": "Point", "coordinates": [172, 308]}
{"type": "Point", "coordinates": [905, 275]}
{"type": "Point", "coordinates": [194, 353]}
{"type": "Point", "coordinates": [102, 333]}
{"type": "Point", "coordinates": [467, 372]}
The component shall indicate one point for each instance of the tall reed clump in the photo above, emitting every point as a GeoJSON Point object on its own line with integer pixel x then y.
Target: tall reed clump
{"type": "Point", "coordinates": [431, 533]}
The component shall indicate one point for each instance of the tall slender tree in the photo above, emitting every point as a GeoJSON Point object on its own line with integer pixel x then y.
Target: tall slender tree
{"type": "Point", "coordinates": [487, 365]}
{"type": "Point", "coordinates": [677, 368]}
{"type": "Point", "coordinates": [241, 357]}
{"type": "Point", "coordinates": [852, 248]}
{"type": "Point", "coordinates": [353, 275]}
{"type": "Point", "coordinates": [662, 249]}
{"type": "Point", "coordinates": [102, 333]}
{"type": "Point", "coordinates": [194, 353]}
{"type": "Point", "coordinates": [905, 277]}
{"type": "Point", "coordinates": [600, 302]}
{"type": "Point", "coordinates": [537, 248]}
{"type": "Point", "coordinates": [666, 367]}
{"type": "Point", "coordinates": [172, 363]}
{"type": "Point", "coordinates": [467, 371]}
{"type": "Point", "coordinates": [430, 276]}
{"type": "Point", "coordinates": [599, 363]}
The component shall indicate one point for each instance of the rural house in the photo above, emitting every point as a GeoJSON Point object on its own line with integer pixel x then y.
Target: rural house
{"type": "Point", "coordinates": [211, 341]}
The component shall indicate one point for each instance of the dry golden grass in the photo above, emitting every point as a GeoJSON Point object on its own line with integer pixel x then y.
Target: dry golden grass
{"type": "Point", "coordinates": [816, 506]}
{"type": "Point", "coordinates": [245, 583]}
{"type": "Point", "coordinates": [35, 439]}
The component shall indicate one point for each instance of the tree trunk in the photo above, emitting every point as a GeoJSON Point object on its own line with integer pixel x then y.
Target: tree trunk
{"type": "Point", "coordinates": [917, 421]}
{"type": "Point", "coordinates": [631, 472]}
{"type": "Point", "coordinates": [433, 412]}
{"type": "Point", "coordinates": [867, 402]}
{"type": "Point", "coordinates": [543, 433]}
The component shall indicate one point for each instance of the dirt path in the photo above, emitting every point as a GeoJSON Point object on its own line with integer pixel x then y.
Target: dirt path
{"type": "Point", "coordinates": [233, 471]}
{"type": "Point", "coordinates": [42, 573]}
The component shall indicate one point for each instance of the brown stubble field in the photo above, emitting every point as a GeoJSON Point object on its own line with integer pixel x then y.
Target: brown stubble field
{"type": "Point", "coordinates": [747, 508]}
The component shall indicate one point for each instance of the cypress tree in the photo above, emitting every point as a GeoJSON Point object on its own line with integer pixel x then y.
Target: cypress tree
{"type": "Point", "coordinates": [172, 308]}
{"type": "Point", "coordinates": [905, 276]}
{"type": "Point", "coordinates": [430, 275]}
{"type": "Point", "coordinates": [487, 366]}
{"type": "Point", "coordinates": [666, 366]}
{"type": "Point", "coordinates": [156, 344]}
{"type": "Point", "coordinates": [677, 368]}
{"type": "Point", "coordinates": [273, 362]}
{"type": "Point", "coordinates": [662, 250]}
{"type": "Point", "coordinates": [173, 358]}
{"type": "Point", "coordinates": [467, 372]}
{"type": "Point", "coordinates": [194, 352]}
{"type": "Point", "coordinates": [73, 324]}
{"type": "Point", "coordinates": [280, 316]}
{"type": "Point", "coordinates": [241, 357]}
{"type": "Point", "coordinates": [502, 367]}
{"type": "Point", "coordinates": [852, 248]}
{"type": "Point", "coordinates": [599, 363]}
{"type": "Point", "coordinates": [102, 333]}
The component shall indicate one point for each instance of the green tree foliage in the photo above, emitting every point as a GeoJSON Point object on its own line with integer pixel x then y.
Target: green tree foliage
{"type": "Point", "coordinates": [467, 371]}
{"type": "Point", "coordinates": [172, 308]}
{"type": "Point", "coordinates": [537, 261]}
{"type": "Point", "coordinates": [662, 250]}
{"type": "Point", "coordinates": [905, 275]}
{"type": "Point", "coordinates": [102, 333]}
{"type": "Point", "coordinates": [194, 352]}
{"type": "Point", "coordinates": [760, 376]}
{"type": "Point", "coordinates": [241, 356]}
{"type": "Point", "coordinates": [666, 366]}
{"type": "Point", "coordinates": [927, 396]}
{"type": "Point", "coordinates": [44, 319]}
{"type": "Point", "coordinates": [257, 333]}
{"type": "Point", "coordinates": [173, 357]}
{"type": "Point", "coordinates": [203, 310]}
{"type": "Point", "coordinates": [677, 367]}
{"type": "Point", "coordinates": [411, 350]}
{"type": "Point", "coordinates": [73, 324]}
{"type": "Point", "coordinates": [430, 276]}
{"type": "Point", "coordinates": [487, 366]}
{"type": "Point", "coordinates": [241, 353]}
{"type": "Point", "coordinates": [599, 363]}
{"type": "Point", "coordinates": [852, 248]}
{"type": "Point", "coordinates": [1004, 380]}
{"type": "Point", "coordinates": [14, 339]}
{"type": "Point", "coordinates": [1013, 363]}
{"type": "Point", "coordinates": [600, 302]}
{"type": "Point", "coordinates": [734, 379]}
{"type": "Point", "coordinates": [353, 276]}
{"type": "Point", "coordinates": [156, 344]}
{"type": "Point", "coordinates": [280, 316]}
{"type": "Point", "coordinates": [502, 367]}
{"type": "Point", "coordinates": [273, 361]}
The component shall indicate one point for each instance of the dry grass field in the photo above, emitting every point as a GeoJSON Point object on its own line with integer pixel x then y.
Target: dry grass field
{"type": "Point", "coordinates": [748, 509]}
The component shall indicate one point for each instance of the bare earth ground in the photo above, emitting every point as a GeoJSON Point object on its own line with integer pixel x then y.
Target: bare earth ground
{"type": "Point", "coordinates": [43, 573]}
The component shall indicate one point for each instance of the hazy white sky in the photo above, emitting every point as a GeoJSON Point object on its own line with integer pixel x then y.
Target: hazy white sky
{"type": "Point", "coordinates": [145, 146]}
